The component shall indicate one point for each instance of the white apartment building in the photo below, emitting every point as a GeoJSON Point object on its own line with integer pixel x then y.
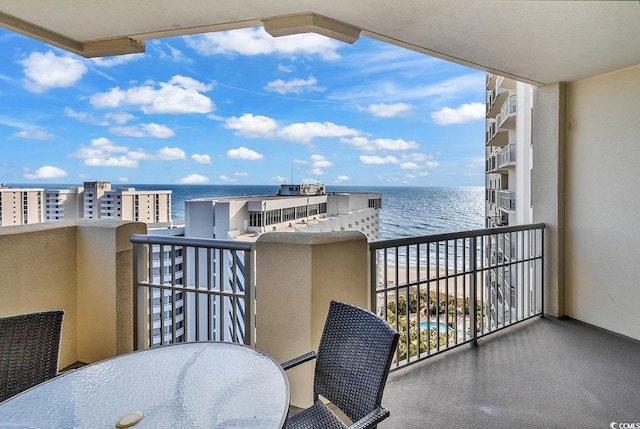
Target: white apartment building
{"type": "Point", "coordinates": [150, 207]}
{"type": "Point", "coordinates": [303, 208]}
{"type": "Point", "coordinates": [21, 206]}
{"type": "Point", "coordinates": [63, 204]}
{"type": "Point", "coordinates": [96, 200]}
{"type": "Point", "coordinates": [508, 152]}
{"type": "Point", "coordinates": [509, 166]}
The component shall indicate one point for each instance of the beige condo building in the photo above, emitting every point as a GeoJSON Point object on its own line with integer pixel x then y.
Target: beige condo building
{"type": "Point", "coordinates": [20, 206]}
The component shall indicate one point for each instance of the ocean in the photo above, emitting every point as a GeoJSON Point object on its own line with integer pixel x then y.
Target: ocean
{"type": "Point", "coordinates": [406, 211]}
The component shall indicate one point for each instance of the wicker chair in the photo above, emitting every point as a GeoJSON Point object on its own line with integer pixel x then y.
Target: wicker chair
{"type": "Point", "coordinates": [29, 350]}
{"type": "Point", "coordinates": [351, 370]}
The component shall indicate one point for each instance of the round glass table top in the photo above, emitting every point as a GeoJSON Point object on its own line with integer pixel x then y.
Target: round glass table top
{"type": "Point", "coordinates": [190, 385]}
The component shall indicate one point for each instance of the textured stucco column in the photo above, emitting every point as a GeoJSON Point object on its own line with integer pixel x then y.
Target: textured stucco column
{"type": "Point", "coordinates": [297, 276]}
{"type": "Point", "coordinates": [38, 273]}
{"type": "Point", "coordinates": [548, 187]}
{"type": "Point", "coordinates": [83, 267]}
{"type": "Point", "coordinates": [105, 294]}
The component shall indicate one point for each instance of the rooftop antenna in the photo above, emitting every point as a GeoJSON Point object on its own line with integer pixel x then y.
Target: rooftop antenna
{"type": "Point", "coordinates": [292, 182]}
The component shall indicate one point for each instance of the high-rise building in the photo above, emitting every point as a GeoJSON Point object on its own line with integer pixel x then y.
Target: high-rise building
{"type": "Point", "coordinates": [63, 204]}
{"type": "Point", "coordinates": [508, 152]}
{"type": "Point", "coordinates": [96, 200]}
{"type": "Point", "coordinates": [508, 189]}
{"type": "Point", "coordinates": [21, 206]}
{"type": "Point", "coordinates": [303, 208]}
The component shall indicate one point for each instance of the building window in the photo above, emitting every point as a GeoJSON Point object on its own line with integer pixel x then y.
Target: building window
{"type": "Point", "coordinates": [255, 219]}
{"type": "Point", "coordinates": [301, 212]}
{"type": "Point", "coordinates": [288, 214]}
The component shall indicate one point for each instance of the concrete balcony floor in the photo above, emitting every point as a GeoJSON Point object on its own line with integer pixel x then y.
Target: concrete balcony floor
{"type": "Point", "coordinates": [544, 373]}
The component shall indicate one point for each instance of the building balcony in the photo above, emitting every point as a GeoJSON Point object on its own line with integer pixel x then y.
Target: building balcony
{"type": "Point", "coordinates": [507, 116]}
{"type": "Point", "coordinates": [506, 200]}
{"type": "Point", "coordinates": [506, 157]}
{"type": "Point", "coordinates": [528, 371]}
{"type": "Point", "coordinates": [496, 136]}
{"type": "Point", "coordinates": [495, 99]}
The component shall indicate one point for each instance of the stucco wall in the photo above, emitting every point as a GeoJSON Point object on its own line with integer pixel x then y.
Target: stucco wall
{"type": "Point", "coordinates": [83, 267]}
{"type": "Point", "coordinates": [38, 273]}
{"type": "Point", "coordinates": [603, 201]}
{"type": "Point", "coordinates": [297, 275]}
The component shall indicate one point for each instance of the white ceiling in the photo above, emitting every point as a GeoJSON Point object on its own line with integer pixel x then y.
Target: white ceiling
{"type": "Point", "coordinates": [535, 41]}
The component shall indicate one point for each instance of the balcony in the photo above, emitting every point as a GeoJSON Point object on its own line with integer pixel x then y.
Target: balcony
{"type": "Point", "coordinates": [506, 157]}
{"type": "Point", "coordinates": [506, 200]}
{"type": "Point", "coordinates": [496, 136]}
{"type": "Point", "coordinates": [495, 98]}
{"type": "Point", "coordinates": [539, 371]}
{"type": "Point", "coordinates": [507, 116]}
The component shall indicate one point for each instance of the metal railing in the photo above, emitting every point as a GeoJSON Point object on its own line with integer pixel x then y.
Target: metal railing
{"type": "Point", "coordinates": [445, 290]}
{"type": "Point", "coordinates": [507, 156]}
{"type": "Point", "coordinates": [506, 200]}
{"type": "Point", "coordinates": [192, 289]}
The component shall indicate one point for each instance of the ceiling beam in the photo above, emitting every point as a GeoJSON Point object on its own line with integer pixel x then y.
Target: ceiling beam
{"type": "Point", "coordinates": [96, 48]}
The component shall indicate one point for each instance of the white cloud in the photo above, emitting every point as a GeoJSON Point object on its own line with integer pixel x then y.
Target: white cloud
{"type": "Point", "coordinates": [201, 159]}
{"type": "Point", "coordinates": [144, 130]}
{"type": "Point", "coordinates": [228, 179]}
{"type": "Point", "coordinates": [27, 131]}
{"type": "Point", "coordinates": [462, 114]}
{"type": "Point", "coordinates": [244, 153]}
{"type": "Point", "coordinates": [123, 179]}
{"type": "Point", "coordinates": [293, 86]}
{"type": "Point", "coordinates": [179, 95]}
{"type": "Point", "coordinates": [342, 179]}
{"type": "Point", "coordinates": [386, 91]}
{"type": "Point", "coordinates": [84, 117]}
{"type": "Point", "coordinates": [409, 166]}
{"type": "Point", "coordinates": [241, 175]}
{"type": "Point", "coordinates": [366, 145]}
{"type": "Point", "coordinates": [256, 41]}
{"type": "Point", "coordinates": [115, 60]}
{"type": "Point", "coordinates": [378, 160]}
{"type": "Point", "coordinates": [47, 71]}
{"type": "Point", "coordinates": [383, 110]}
{"type": "Point", "coordinates": [279, 179]}
{"type": "Point", "coordinates": [33, 134]}
{"type": "Point", "coordinates": [252, 126]}
{"type": "Point", "coordinates": [46, 172]}
{"type": "Point", "coordinates": [170, 154]}
{"type": "Point", "coordinates": [318, 164]}
{"type": "Point", "coordinates": [305, 132]}
{"type": "Point", "coordinates": [192, 179]}
{"type": "Point", "coordinates": [319, 161]}
{"type": "Point", "coordinates": [119, 117]}
{"type": "Point", "coordinates": [105, 153]}
{"type": "Point", "coordinates": [286, 69]}
{"type": "Point", "coordinates": [420, 160]}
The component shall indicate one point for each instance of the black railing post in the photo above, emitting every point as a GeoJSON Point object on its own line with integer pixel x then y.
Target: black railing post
{"type": "Point", "coordinates": [473, 285]}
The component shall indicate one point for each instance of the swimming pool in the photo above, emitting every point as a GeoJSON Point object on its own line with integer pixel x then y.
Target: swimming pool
{"type": "Point", "coordinates": [434, 325]}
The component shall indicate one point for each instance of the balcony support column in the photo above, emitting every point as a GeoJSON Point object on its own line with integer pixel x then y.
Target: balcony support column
{"type": "Point", "coordinates": [548, 187]}
{"type": "Point", "coordinates": [297, 275]}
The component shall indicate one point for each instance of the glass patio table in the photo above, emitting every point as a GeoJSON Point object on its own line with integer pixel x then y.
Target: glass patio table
{"type": "Point", "coordinates": [188, 385]}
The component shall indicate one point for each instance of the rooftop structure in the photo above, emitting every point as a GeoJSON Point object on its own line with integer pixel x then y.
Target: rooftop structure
{"type": "Point", "coordinates": [305, 208]}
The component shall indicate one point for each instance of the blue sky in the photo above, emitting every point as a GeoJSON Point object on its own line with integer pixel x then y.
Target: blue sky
{"type": "Point", "coordinates": [240, 107]}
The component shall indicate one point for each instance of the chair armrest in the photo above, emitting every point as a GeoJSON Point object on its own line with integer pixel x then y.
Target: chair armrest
{"type": "Point", "coordinates": [371, 419]}
{"type": "Point", "coordinates": [297, 361]}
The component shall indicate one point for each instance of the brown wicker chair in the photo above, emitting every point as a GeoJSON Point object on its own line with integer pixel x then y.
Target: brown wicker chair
{"type": "Point", "coordinates": [352, 365]}
{"type": "Point", "coordinates": [29, 350]}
